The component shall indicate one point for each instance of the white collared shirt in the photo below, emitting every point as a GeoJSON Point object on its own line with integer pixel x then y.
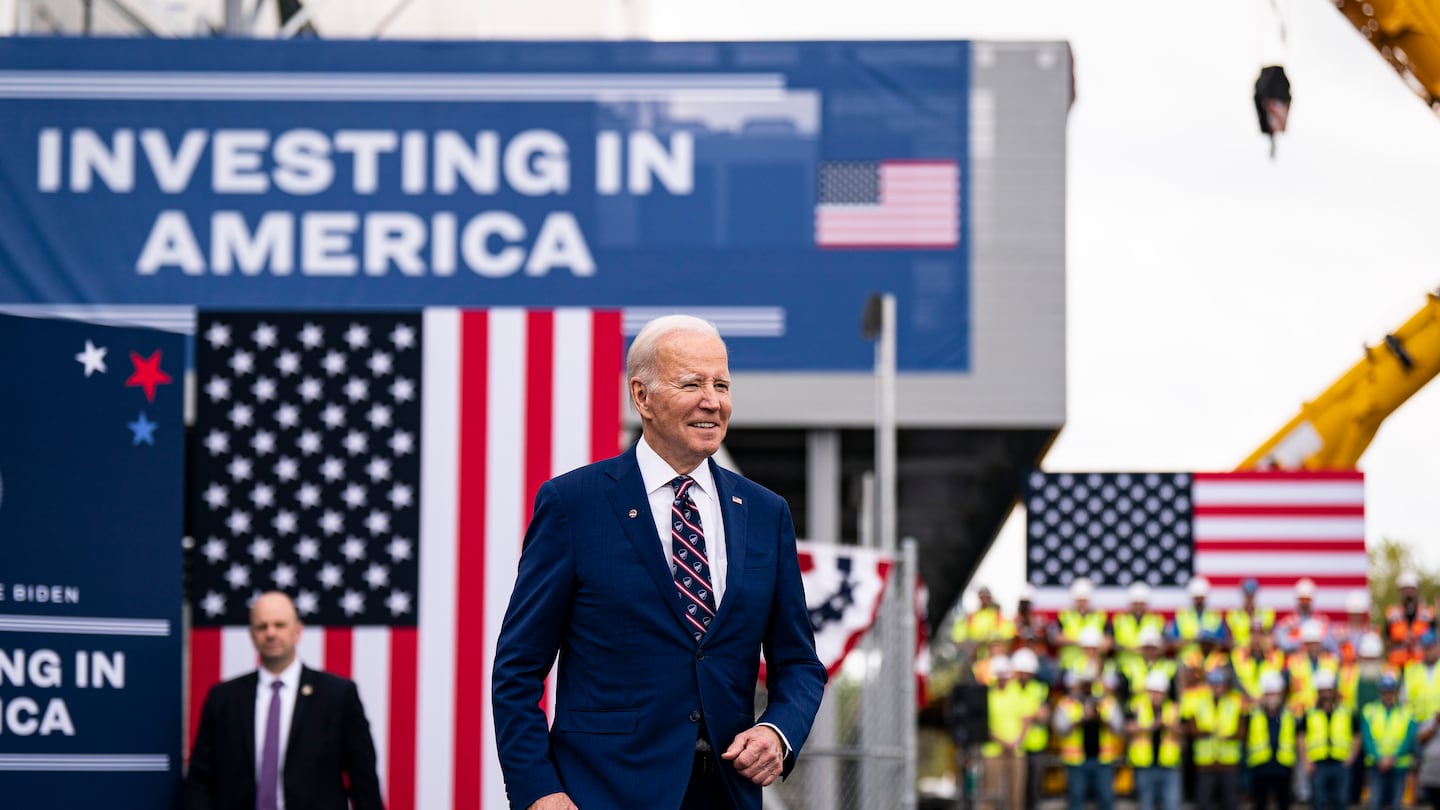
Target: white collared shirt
{"type": "Point", "coordinates": [290, 677]}
{"type": "Point", "coordinates": [657, 475]}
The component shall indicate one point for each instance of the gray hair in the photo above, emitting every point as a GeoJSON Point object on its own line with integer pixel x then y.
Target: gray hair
{"type": "Point", "coordinates": [640, 360]}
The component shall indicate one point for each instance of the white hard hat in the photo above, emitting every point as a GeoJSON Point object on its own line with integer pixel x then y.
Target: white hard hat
{"type": "Point", "coordinates": [1149, 637]}
{"type": "Point", "coordinates": [1027, 592]}
{"type": "Point", "coordinates": [1157, 681]}
{"type": "Point", "coordinates": [1312, 631]}
{"type": "Point", "coordinates": [1271, 682]}
{"type": "Point", "coordinates": [1139, 592]}
{"type": "Point", "coordinates": [1371, 646]}
{"type": "Point", "coordinates": [1199, 586]}
{"type": "Point", "coordinates": [1324, 679]}
{"type": "Point", "coordinates": [1305, 587]}
{"type": "Point", "coordinates": [999, 666]}
{"type": "Point", "coordinates": [1091, 637]}
{"type": "Point", "coordinates": [1082, 589]}
{"type": "Point", "coordinates": [1357, 602]}
{"type": "Point", "coordinates": [1024, 660]}
{"type": "Point", "coordinates": [1407, 579]}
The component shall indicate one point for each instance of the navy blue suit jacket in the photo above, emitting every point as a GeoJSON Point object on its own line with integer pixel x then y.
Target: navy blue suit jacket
{"type": "Point", "coordinates": [595, 586]}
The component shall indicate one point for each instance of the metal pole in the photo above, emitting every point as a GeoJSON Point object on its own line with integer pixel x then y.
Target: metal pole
{"type": "Point", "coordinates": [909, 698]}
{"type": "Point", "coordinates": [885, 454]}
{"type": "Point", "coordinates": [234, 23]}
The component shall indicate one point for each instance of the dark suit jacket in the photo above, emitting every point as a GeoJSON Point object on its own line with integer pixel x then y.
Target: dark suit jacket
{"type": "Point", "coordinates": [633, 686]}
{"type": "Point", "coordinates": [329, 739]}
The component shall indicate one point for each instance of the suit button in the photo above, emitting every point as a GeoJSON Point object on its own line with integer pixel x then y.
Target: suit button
{"type": "Point", "coordinates": [695, 717]}
{"type": "Point", "coordinates": [700, 656]}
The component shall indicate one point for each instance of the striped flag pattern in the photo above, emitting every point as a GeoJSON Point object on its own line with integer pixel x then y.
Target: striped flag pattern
{"type": "Point", "coordinates": [1163, 529]}
{"type": "Point", "coordinates": [888, 204]}
{"type": "Point", "coordinates": [509, 399]}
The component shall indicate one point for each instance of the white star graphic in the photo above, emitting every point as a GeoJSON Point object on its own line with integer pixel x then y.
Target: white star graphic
{"type": "Point", "coordinates": [333, 416]}
{"type": "Point", "coordinates": [214, 550]}
{"type": "Point", "coordinates": [284, 522]}
{"type": "Point", "coordinates": [332, 522]}
{"type": "Point", "coordinates": [261, 549]}
{"type": "Point", "coordinates": [379, 416]}
{"type": "Point", "coordinates": [401, 496]}
{"type": "Point", "coordinates": [378, 469]}
{"type": "Point", "coordinates": [380, 364]}
{"type": "Point", "coordinates": [216, 496]}
{"type": "Point", "coordinates": [377, 576]}
{"type": "Point", "coordinates": [399, 549]}
{"type": "Point", "coordinates": [217, 442]}
{"type": "Point", "coordinates": [353, 548]}
{"type": "Point", "coordinates": [242, 363]}
{"type": "Point", "coordinates": [263, 496]}
{"type": "Point", "coordinates": [218, 334]}
{"type": "Point", "coordinates": [353, 495]}
{"type": "Point", "coordinates": [242, 415]}
{"type": "Point", "coordinates": [287, 415]}
{"type": "Point", "coordinates": [398, 602]}
{"type": "Point", "coordinates": [213, 604]}
{"type": "Point", "coordinates": [288, 363]}
{"type": "Point", "coordinates": [217, 388]}
{"type": "Point", "coordinates": [378, 522]}
{"type": "Point", "coordinates": [357, 336]}
{"type": "Point", "coordinates": [334, 363]}
{"type": "Point", "coordinates": [307, 549]}
{"type": "Point", "coordinates": [239, 468]}
{"type": "Point", "coordinates": [238, 576]}
{"type": "Point", "coordinates": [403, 336]}
{"type": "Point", "coordinates": [352, 602]}
{"type": "Point", "coordinates": [356, 442]}
{"type": "Point", "coordinates": [308, 495]}
{"type": "Point", "coordinates": [265, 336]}
{"type": "Point", "coordinates": [93, 358]}
{"type": "Point", "coordinates": [287, 468]}
{"type": "Point", "coordinates": [312, 336]}
{"type": "Point", "coordinates": [330, 576]}
{"type": "Point", "coordinates": [357, 389]}
{"type": "Point", "coordinates": [403, 443]}
{"type": "Point", "coordinates": [402, 390]}
{"type": "Point", "coordinates": [333, 469]}
{"type": "Point", "coordinates": [311, 389]}
{"type": "Point", "coordinates": [309, 442]}
{"type": "Point", "coordinates": [264, 389]}
{"type": "Point", "coordinates": [263, 442]}
{"type": "Point", "coordinates": [284, 575]}
{"type": "Point", "coordinates": [306, 602]}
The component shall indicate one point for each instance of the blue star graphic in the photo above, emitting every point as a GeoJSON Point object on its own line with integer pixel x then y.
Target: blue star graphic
{"type": "Point", "coordinates": [143, 429]}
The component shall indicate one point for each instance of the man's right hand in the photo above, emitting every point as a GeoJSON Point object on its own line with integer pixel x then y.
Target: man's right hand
{"type": "Point", "coordinates": [554, 801]}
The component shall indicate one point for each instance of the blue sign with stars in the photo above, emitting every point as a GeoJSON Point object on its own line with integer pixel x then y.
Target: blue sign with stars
{"type": "Point", "coordinates": [91, 519]}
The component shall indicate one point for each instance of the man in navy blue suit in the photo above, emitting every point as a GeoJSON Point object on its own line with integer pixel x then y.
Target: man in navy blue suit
{"type": "Point", "coordinates": [657, 577]}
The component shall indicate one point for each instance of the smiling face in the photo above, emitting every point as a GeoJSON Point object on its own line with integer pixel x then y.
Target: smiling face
{"type": "Point", "coordinates": [685, 416]}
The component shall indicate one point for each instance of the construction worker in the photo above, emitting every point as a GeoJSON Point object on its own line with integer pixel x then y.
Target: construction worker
{"type": "Point", "coordinates": [1331, 746]}
{"type": "Point", "coordinates": [1388, 731]}
{"type": "Point", "coordinates": [1287, 630]}
{"type": "Point", "coordinates": [1406, 622]}
{"type": "Point", "coordinates": [1126, 628]}
{"type": "Point", "coordinates": [1239, 621]}
{"type": "Point", "coordinates": [1251, 663]}
{"type": "Point", "coordinates": [1347, 634]}
{"type": "Point", "coordinates": [1358, 691]}
{"type": "Point", "coordinates": [1184, 631]}
{"type": "Point", "coordinates": [1151, 659]}
{"type": "Point", "coordinates": [1071, 623]}
{"type": "Point", "coordinates": [1004, 752]}
{"type": "Point", "coordinates": [1035, 702]}
{"type": "Point", "coordinates": [1304, 664]}
{"type": "Point", "coordinates": [1270, 746]}
{"type": "Point", "coordinates": [1213, 724]}
{"type": "Point", "coordinates": [1154, 733]}
{"type": "Point", "coordinates": [985, 655]}
{"type": "Point", "coordinates": [983, 625]}
{"type": "Point", "coordinates": [1090, 653]}
{"type": "Point", "coordinates": [1088, 727]}
{"type": "Point", "coordinates": [1027, 623]}
{"type": "Point", "coordinates": [1422, 679]}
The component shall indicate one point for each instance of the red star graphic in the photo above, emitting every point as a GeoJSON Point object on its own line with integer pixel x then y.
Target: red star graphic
{"type": "Point", "coordinates": [147, 373]}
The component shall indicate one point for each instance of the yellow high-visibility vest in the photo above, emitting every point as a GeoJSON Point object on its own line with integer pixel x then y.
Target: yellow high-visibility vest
{"type": "Point", "coordinates": [1422, 688]}
{"type": "Point", "coordinates": [1329, 736]}
{"type": "Point", "coordinates": [1072, 745]}
{"type": "Point", "coordinates": [1138, 671]}
{"type": "Point", "coordinates": [1240, 624]}
{"type": "Point", "coordinates": [1258, 739]}
{"type": "Point", "coordinates": [1034, 695]}
{"type": "Point", "coordinates": [1302, 678]}
{"type": "Point", "coordinates": [1389, 728]}
{"type": "Point", "coordinates": [1215, 720]}
{"type": "Point", "coordinates": [1072, 624]}
{"type": "Point", "coordinates": [1128, 628]}
{"type": "Point", "coordinates": [1142, 749]}
{"type": "Point", "coordinates": [1007, 715]}
{"type": "Point", "coordinates": [984, 625]}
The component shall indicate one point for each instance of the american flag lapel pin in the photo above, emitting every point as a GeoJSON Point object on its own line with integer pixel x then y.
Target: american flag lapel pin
{"type": "Point", "coordinates": [736, 499]}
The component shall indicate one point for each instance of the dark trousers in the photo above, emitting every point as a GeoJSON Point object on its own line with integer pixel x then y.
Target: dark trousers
{"type": "Point", "coordinates": [1330, 786]}
{"type": "Point", "coordinates": [1387, 789]}
{"type": "Point", "coordinates": [1090, 778]}
{"type": "Point", "coordinates": [705, 792]}
{"type": "Point", "coordinates": [1034, 778]}
{"type": "Point", "coordinates": [1271, 783]}
{"type": "Point", "coordinates": [1432, 797]}
{"type": "Point", "coordinates": [1217, 788]}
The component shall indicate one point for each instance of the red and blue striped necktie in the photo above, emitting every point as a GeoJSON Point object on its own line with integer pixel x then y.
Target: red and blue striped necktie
{"type": "Point", "coordinates": [689, 561]}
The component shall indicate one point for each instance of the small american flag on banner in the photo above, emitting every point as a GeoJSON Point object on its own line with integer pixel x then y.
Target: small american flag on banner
{"type": "Point", "coordinates": [1162, 529]}
{"type": "Point", "coordinates": [888, 204]}
{"type": "Point", "coordinates": [380, 468]}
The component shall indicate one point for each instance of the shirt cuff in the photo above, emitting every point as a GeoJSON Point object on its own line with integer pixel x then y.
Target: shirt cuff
{"type": "Point", "coordinates": [784, 743]}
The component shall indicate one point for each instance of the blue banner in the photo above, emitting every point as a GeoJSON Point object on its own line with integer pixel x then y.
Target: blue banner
{"type": "Point", "coordinates": [91, 510]}
{"type": "Point", "coordinates": [767, 186]}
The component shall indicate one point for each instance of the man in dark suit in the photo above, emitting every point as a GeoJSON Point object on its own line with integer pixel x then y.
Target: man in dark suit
{"type": "Point", "coordinates": [657, 577]}
{"type": "Point", "coordinates": [285, 737]}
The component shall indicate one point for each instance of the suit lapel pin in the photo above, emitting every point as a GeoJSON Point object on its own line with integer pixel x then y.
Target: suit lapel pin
{"type": "Point", "coordinates": [634, 513]}
{"type": "Point", "coordinates": [307, 690]}
{"type": "Point", "coordinates": [736, 499]}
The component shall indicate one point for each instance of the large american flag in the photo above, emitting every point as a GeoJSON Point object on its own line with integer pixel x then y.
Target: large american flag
{"type": "Point", "coordinates": [888, 204]}
{"type": "Point", "coordinates": [1165, 528]}
{"type": "Point", "coordinates": [381, 469]}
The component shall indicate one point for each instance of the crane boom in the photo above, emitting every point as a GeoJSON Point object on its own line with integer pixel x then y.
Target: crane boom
{"type": "Point", "coordinates": [1332, 432]}
{"type": "Point", "coordinates": [1407, 35]}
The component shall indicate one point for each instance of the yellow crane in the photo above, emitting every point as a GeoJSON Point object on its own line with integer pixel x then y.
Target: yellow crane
{"type": "Point", "coordinates": [1407, 34]}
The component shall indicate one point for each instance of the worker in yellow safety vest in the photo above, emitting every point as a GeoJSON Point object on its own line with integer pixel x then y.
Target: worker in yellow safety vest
{"type": "Point", "coordinates": [1003, 780]}
{"type": "Point", "coordinates": [1035, 704]}
{"type": "Point", "coordinates": [1304, 664]}
{"type": "Point", "coordinates": [1154, 733]}
{"type": "Point", "coordinates": [1422, 679]}
{"type": "Point", "coordinates": [1184, 630]}
{"type": "Point", "coordinates": [1213, 722]}
{"type": "Point", "coordinates": [1270, 746]}
{"type": "Point", "coordinates": [1151, 659]}
{"type": "Point", "coordinates": [1128, 627]}
{"type": "Point", "coordinates": [1331, 746]}
{"type": "Point", "coordinates": [1387, 731]}
{"type": "Point", "coordinates": [1088, 724]}
{"type": "Point", "coordinates": [1071, 623]}
{"type": "Point", "coordinates": [982, 625]}
{"type": "Point", "coordinates": [1252, 662]}
{"type": "Point", "coordinates": [1248, 617]}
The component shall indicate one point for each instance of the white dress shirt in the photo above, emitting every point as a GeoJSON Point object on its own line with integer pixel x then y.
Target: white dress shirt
{"type": "Point", "coordinates": [290, 678]}
{"type": "Point", "coordinates": [657, 475]}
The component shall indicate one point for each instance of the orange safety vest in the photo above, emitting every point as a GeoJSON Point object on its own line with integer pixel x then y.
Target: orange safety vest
{"type": "Point", "coordinates": [1405, 636]}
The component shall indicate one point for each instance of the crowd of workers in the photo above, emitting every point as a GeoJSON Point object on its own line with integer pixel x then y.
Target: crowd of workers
{"type": "Point", "coordinates": [1210, 704]}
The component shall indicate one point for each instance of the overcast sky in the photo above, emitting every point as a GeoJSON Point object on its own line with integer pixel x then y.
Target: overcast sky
{"type": "Point", "coordinates": [1211, 290]}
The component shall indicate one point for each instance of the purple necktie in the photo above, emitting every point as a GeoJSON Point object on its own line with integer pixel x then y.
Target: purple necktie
{"type": "Point", "coordinates": [688, 561]}
{"type": "Point", "coordinates": [268, 788]}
